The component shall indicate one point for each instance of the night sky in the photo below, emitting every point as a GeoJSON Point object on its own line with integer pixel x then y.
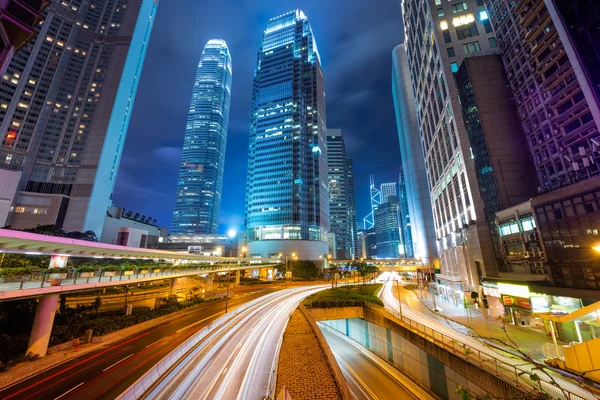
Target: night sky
{"type": "Point", "coordinates": [355, 40]}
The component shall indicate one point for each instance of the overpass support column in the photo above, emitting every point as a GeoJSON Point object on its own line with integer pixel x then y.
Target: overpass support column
{"type": "Point", "coordinates": [238, 275]}
{"type": "Point", "coordinates": [173, 286]}
{"type": "Point", "coordinates": [208, 282]}
{"type": "Point", "coordinates": [272, 271]}
{"type": "Point", "coordinates": [262, 273]}
{"type": "Point", "coordinates": [42, 325]}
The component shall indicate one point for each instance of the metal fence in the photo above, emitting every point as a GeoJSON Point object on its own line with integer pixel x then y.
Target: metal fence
{"type": "Point", "coordinates": [518, 375]}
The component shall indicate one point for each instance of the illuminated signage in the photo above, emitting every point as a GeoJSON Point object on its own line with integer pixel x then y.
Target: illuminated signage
{"type": "Point", "coordinates": [514, 290]}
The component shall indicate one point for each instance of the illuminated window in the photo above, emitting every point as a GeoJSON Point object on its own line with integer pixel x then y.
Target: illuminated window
{"type": "Point", "coordinates": [22, 105]}
{"type": "Point", "coordinates": [483, 15]}
{"type": "Point", "coordinates": [463, 20]}
{"type": "Point", "coordinates": [454, 67]}
{"type": "Point", "coordinates": [444, 25]}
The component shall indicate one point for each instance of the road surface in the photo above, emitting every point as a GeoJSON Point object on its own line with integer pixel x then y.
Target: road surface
{"type": "Point", "coordinates": [392, 304]}
{"type": "Point", "coordinates": [108, 371]}
{"type": "Point", "coordinates": [366, 379]}
{"type": "Point", "coordinates": [235, 360]}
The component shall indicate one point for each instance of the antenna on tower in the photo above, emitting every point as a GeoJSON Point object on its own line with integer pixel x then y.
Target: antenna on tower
{"type": "Point", "coordinates": [369, 220]}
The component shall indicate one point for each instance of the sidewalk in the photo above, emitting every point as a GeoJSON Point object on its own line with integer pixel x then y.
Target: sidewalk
{"type": "Point", "coordinates": [527, 340]}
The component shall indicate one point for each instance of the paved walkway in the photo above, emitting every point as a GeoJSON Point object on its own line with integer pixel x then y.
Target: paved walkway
{"type": "Point", "coordinates": [528, 341]}
{"type": "Point", "coordinates": [303, 368]}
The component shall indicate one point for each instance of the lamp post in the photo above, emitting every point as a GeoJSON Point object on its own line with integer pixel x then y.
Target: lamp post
{"type": "Point", "coordinates": [399, 298]}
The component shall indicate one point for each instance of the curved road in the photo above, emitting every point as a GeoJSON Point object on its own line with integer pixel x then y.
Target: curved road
{"type": "Point", "coordinates": [106, 372]}
{"type": "Point", "coordinates": [235, 360]}
{"type": "Point", "coordinates": [366, 379]}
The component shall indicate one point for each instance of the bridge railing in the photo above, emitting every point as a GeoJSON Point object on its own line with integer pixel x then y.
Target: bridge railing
{"type": "Point", "coordinates": [518, 375]}
{"type": "Point", "coordinates": [73, 276]}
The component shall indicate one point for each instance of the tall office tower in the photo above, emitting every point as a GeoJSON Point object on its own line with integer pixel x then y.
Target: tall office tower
{"type": "Point", "coordinates": [503, 165]}
{"type": "Point", "coordinates": [19, 22]}
{"type": "Point", "coordinates": [387, 229]}
{"type": "Point", "coordinates": [352, 205]}
{"type": "Point", "coordinates": [65, 107]}
{"type": "Point", "coordinates": [407, 250]}
{"type": "Point", "coordinates": [422, 227]}
{"type": "Point", "coordinates": [198, 199]}
{"type": "Point", "coordinates": [340, 196]}
{"type": "Point", "coordinates": [388, 190]}
{"type": "Point", "coordinates": [454, 31]}
{"type": "Point", "coordinates": [551, 60]}
{"type": "Point", "coordinates": [287, 204]}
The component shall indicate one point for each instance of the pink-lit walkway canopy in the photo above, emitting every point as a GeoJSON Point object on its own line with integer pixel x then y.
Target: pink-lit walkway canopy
{"type": "Point", "coordinates": [31, 243]}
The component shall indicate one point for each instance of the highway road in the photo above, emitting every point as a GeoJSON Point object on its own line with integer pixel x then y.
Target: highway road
{"type": "Point", "coordinates": [108, 371]}
{"type": "Point", "coordinates": [235, 360]}
{"type": "Point", "coordinates": [392, 304]}
{"type": "Point", "coordinates": [367, 380]}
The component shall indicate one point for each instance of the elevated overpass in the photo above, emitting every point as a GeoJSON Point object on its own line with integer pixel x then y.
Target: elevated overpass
{"type": "Point", "coordinates": [48, 287]}
{"type": "Point", "coordinates": [399, 264]}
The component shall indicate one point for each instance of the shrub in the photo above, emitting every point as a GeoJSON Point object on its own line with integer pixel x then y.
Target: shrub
{"type": "Point", "coordinates": [87, 268]}
{"type": "Point", "coordinates": [16, 271]}
{"type": "Point", "coordinates": [111, 268]}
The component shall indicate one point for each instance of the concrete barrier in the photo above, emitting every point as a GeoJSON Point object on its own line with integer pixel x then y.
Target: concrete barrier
{"type": "Point", "coordinates": [345, 391]}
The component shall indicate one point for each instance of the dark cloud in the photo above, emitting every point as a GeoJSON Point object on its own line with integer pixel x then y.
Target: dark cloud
{"type": "Point", "coordinates": [355, 40]}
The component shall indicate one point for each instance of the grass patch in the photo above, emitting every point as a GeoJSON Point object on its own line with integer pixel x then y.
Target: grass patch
{"type": "Point", "coordinates": [356, 295]}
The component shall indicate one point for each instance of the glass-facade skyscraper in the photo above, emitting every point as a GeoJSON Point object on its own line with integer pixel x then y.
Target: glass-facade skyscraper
{"type": "Point", "coordinates": [342, 212]}
{"type": "Point", "coordinates": [198, 198]}
{"type": "Point", "coordinates": [287, 202]}
{"type": "Point", "coordinates": [65, 105]}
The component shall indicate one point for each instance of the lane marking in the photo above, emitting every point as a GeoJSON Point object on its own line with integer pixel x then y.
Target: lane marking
{"type": "Point", "coordinates": [159, 340]}
{"type": "Point", "coordinates": [362, 383]}
{"type": "Point", "coordinates": [69, 391]}
{"type": "Point", "coordinates": [199, 322]}
{"type": "Point", "coordinates": [118, 362]}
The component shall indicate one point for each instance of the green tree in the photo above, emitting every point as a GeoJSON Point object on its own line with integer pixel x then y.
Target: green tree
{"type": "Point", "coordinates": [97, 304]}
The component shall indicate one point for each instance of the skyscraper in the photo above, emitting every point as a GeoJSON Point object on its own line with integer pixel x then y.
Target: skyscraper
{"type": "Point", "coordinates": [405, 229]}
{"type": "Point", "coordinates": [388, 190]}
{"type": "Point", "coordinates": [422, 227]}
{"type": "Point", "coordinates": [65, 106]}
{"type": "Point", "coordinates": [287, 204]}
{"type": "Point", "coordinates": [387, 229]}
{"type": "Point", "coordinates": [342, 212]}
{"type": "Point", "coordinates": [352, 205]}
{"type": "Point", "coordinates": [552, 67]}
{"type": "Point", "coordinates": [454, 31]}
{"type": "Point", "coordinates": [200, 182]}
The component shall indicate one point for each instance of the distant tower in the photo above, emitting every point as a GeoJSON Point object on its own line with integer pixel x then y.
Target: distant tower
{"type": "Point", "coordinates": [388, 190]}
{"type": "Point", "coordinates": [341, 195]}
{"type": "Point", "coordinates": [200, 182]}
{"type": "Point", "coordinates": [375, 195]}
{"type": "Point", "coordinates": [287, 202]}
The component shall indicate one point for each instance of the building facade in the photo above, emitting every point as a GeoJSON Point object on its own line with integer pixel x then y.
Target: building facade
{"type": "Point", "coordinates": [352, 205]}
{"type": "Point", "coordinates": [287, 203]}
{"type": "Point", "coordinates": [549, 58]}
{"type": "Point", "coordinates": [131, 229]}
{"type": "Point", "coordinates": [405, 229]}
{"type": "Point", "coordinates": [418, 202]}
{"type": "Point", "coordinates": [342, 214]}
{"type": "Point", "coordinates": [388, 189]}
{"type": "Point", "coordinates": [438, 37]}
{"type": "Point", "coordinates": [503, 165]}
{"type": "Point", "coordinates": [19, 22]}
{"type": "Point", "coordinates": [387, 229]}
{"type": "Point", "coordinates": [65, 106]}
{"type": "Point", "coordinates": [198, 198]}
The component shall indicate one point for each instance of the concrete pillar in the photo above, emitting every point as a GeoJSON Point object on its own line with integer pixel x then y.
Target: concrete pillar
{"type": "Point", "coordinates": [272, 277]}
{"type": "Point", "coordinates": [208, 282]}
{"type": "Point", "coordinates": [42, 325]}
{"type": "Point", "coordinates": [173, 287]}
{"type": "Point", "coordinates": [578, 330]}
{"type": "Point", "coordinates": [262, 273]}
{"type": "Point", "coordinates": [238, 275]}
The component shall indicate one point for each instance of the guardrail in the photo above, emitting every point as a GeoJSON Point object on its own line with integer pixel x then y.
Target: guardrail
{"type": "Point", "coordinates": [515, 374]}
{"type": "Point", "coordinates": [41, 279]}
